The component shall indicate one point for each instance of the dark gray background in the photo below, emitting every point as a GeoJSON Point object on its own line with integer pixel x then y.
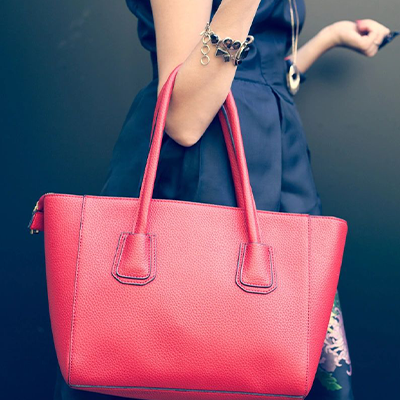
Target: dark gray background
{"type": "Point", "coordinates": [70, 71]}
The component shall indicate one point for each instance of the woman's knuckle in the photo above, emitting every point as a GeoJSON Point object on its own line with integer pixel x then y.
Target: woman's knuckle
{"type": "Point", "coordinates": [365, 46]}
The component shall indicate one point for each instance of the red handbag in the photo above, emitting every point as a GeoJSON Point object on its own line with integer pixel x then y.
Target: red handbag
{"type": "Point", "coordinates": [167, 299]}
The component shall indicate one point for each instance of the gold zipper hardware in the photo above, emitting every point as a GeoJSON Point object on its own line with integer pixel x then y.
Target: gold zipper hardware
{"type": "Point", "coordinates": [35, 209]}
{"type": "Point", "coordinates": [34, 231]}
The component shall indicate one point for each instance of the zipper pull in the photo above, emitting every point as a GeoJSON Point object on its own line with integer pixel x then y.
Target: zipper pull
{"type": "Point", "coordinates": [35, 209]}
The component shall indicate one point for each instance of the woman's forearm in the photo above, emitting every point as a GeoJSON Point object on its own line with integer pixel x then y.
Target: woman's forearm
{"type": "Point", "coordinates": [314, 48]}
{"type": "Point", "coordinates": [199, 90]}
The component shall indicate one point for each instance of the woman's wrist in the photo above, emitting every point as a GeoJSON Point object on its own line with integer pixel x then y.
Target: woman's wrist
{"type": "Point", "coordinates": [328, 37]}
{"type": "Point", "coordinates": [324, 40]}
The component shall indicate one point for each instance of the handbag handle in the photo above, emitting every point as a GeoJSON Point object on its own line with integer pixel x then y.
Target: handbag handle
{"type": "Point", "coordinates": [229, 145]}
{"type": "Point", "coordinates": [239, 168]}
{"type": "Point", "coordinates": [255, 269]}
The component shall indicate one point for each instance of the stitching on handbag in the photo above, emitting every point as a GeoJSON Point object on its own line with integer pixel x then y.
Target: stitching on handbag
{"type": "Point", "coordinates": [129, 281]}
{"type": "Point", "coordinates": [289, 396]}
{"type": "Point", "coordinates": [126, 234]}
{"type": "Point", "coordinates": [120, 250]}
{"type": "Point", "coordinates": [148, 265]}
{"type": "Point", "coordinates": [270, 288]}
{"type": "Point", "coordinates": [76, 288]}
{"type": "Point", "coordinates": [308, 302]}
{"type": "Point", "coordinates": [116, 254]}
{"type": "Point", "coordinates": [270, 263]}
{"type": "Point", "coordinates": [241, 252]}
{"type": "Point", "coordinates": [247, 289]}
{"type": "Point", "coordinates": [129, 199]}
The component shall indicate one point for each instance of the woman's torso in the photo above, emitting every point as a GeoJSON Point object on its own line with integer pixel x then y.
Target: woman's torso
{"type": "Point", "coordinates": [273, 137]}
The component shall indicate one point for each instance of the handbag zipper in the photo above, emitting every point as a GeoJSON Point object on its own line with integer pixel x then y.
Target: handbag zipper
{"type": "Point", "coordinates": [34, 211]}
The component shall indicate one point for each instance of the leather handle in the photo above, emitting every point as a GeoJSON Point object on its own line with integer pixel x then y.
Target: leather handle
{"type": "Point", "coordinates": [239, 172]}
{"type": "Point", "coordinates": [229, 145]}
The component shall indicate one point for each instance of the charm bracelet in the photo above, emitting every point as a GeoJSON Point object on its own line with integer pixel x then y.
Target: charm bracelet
{"type": "Point", "coordinates": [224, 47]}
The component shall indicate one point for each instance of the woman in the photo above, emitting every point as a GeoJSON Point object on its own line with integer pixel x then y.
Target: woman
{"type": "Point", "coordinates": [193, 163]}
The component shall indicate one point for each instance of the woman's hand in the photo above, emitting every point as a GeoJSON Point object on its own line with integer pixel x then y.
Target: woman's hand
{"type": "Point", "coordinates": [363, 36]}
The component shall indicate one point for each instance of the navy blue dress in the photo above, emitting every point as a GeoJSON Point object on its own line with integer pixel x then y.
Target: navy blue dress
{"type": "Point", "coordinates": [276, 149]}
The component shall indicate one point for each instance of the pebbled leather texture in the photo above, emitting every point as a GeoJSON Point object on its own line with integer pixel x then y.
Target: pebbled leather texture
{"type": "Point", "coordinates": [167, 299]}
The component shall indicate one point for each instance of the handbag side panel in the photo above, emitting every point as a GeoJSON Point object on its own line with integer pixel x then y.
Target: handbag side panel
{"type": "Point", "coordinates": [327, 242]}
{"type": "Point", "coordinates": [62, 220]}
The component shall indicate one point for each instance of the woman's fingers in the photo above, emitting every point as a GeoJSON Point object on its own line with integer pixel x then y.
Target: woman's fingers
{"type": "Point", "coordinates": [368, 43]}
{"type": "Point", "coordinates": [367, 25]}
{"type": "Point", "coordinates": [372, 34]}
{"type": "Point", "coordinates": [371, 51]}
{"type": "Point", "coordinates": [364, 25]}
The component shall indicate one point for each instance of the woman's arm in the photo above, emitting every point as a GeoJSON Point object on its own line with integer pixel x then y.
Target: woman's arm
{"type": "Point", "coordinates": [362, 36]}
{"type": "Point", "coordinates": [199, 90]}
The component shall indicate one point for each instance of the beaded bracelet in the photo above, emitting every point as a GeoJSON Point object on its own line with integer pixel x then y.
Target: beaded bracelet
{"type": "Point", "coordinates": [224, 47]}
